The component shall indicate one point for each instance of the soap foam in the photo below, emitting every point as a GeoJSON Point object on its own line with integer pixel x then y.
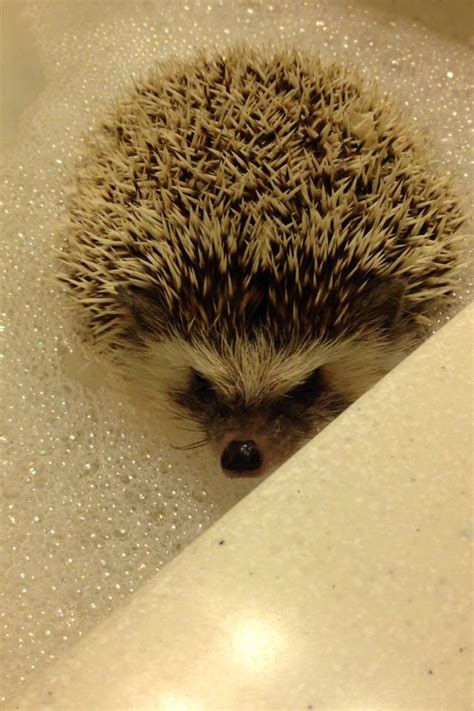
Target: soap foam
{"type": "Point", "coordinates": [95, 498]}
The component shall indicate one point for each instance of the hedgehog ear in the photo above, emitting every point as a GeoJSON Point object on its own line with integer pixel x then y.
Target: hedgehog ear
{"type": "Point", "coordinates": [144, 306]}
{"type": "Point", "coordinates": [383, 305]}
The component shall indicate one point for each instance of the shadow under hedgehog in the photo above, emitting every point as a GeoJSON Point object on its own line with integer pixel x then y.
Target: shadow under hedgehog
{"type": "Point", "coordinates": [254, 239]}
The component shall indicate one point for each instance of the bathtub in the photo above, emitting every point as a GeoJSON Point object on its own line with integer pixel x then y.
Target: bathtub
{"type": "Point", "coordinates": [342, 581]}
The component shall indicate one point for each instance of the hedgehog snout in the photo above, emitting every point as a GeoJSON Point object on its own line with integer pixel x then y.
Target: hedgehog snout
{"type": "Point", "coordinates": [242, 458]}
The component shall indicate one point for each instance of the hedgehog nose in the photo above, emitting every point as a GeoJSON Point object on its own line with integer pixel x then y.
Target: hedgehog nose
{"type": "Point", "coordinates": [241, 456]}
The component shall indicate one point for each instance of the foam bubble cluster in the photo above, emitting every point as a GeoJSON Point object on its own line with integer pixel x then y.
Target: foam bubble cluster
{"type": "Point", "coordinates": [95, 499]}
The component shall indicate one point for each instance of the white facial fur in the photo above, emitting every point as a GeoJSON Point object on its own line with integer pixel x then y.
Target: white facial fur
{"type": "Point", "coordinates": [255, 373]}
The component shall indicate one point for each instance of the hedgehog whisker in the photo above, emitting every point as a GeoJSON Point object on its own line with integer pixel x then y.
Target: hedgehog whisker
{"type": "Point", "coordinates": [184, 418]}
{"type": "Point", "coordinates": [178, 415]}
{"type": "Point", "coordinates": [193, 445]}
{"type": "Point", "coordinates": [195, 427]}
{"type": "Point", "coordinates": [190, 429]}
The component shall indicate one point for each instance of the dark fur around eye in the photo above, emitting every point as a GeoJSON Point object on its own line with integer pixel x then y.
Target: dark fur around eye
{"type": "Point", "coordinates": [309, 389]}
{"type": "Point", "coordinates": [201, 387]}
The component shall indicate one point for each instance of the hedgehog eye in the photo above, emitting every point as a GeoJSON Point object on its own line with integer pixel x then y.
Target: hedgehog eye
{"type": "Point", "coordinates": [309, 388]}
{"type": "Point", "coordinates": [200, 386]}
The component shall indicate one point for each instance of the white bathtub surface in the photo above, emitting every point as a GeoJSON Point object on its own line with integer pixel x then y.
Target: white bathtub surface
{"type": "Point", "coordinates": [343, 582]}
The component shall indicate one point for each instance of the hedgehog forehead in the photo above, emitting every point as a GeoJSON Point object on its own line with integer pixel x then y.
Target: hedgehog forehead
{"type": "Point", "coordinates": [252, 371]}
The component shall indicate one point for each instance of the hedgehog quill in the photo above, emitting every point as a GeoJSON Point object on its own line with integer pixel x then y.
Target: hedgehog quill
{"type": "Point", "coordinates": [254, 239]}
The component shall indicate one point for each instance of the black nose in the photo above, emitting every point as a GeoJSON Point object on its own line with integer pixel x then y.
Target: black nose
{"type": "Point", "coordinates": [241, 456]}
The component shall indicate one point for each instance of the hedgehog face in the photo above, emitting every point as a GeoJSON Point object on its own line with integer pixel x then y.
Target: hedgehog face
{"type": "Point", "coordinates": [255, 402]}
{"type": "Point", "coordinates": [252, 439]}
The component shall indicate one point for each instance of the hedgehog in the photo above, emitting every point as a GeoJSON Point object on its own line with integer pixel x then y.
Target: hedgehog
{"type": "Point", "coordinates": [254, 238]}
